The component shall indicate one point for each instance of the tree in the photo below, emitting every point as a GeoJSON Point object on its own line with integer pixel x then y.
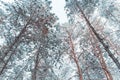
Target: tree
{"type": "Point", "coordinates": [85, 12]}
{"type": "Point", "coordinates": [29, 37]}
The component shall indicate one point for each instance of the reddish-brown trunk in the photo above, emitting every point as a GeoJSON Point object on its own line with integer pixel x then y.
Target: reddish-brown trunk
{"type": "Point", "coordinates": [100, 58]}
{"type": "Point", "coordinates": [75, 57]}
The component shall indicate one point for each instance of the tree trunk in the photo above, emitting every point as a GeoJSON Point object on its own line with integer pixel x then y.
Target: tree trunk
{"type": "Point", "coordinates": [75, 57]}
{"type": "Point", "coordinates": [106, 47]}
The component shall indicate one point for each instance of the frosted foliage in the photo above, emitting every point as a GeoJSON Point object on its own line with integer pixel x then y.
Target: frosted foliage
{"type": "Point", "coordinates": [103, 15]}
{"type": "Point", "coordinates": [35, 46]}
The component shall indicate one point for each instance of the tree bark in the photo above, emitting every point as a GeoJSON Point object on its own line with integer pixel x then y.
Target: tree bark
{"type": "Point", "coordinates": [100, 57]}
{"type": "Point", "coordinates": [36, 66]}
{"type": "Point", "coordinates": [11, 47]}
{"type": "Point", "coordinates": [106, 47]}
{"type": "Point", "coordinates": [75, 57]}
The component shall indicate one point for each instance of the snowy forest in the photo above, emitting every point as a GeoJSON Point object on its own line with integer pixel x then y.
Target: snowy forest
{"type": "Point", "coordinates": [34, 45]}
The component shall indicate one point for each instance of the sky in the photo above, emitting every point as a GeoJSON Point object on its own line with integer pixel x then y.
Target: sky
{"type": "Point", "coordinates": [58, 9]}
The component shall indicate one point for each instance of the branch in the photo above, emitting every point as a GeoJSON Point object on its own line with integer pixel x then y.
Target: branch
{"type": "Point", "coordinates": [98, 37]}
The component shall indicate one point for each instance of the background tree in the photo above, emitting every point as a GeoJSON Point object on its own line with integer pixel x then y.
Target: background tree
{"type": "Point", "coordinates": [88, 13]}
{"type": "Point", "coordinates": [29, 34]}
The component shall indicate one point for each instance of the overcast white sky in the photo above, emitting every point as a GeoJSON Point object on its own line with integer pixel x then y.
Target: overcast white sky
{"type": "Point", "coordinates": [58, 9]}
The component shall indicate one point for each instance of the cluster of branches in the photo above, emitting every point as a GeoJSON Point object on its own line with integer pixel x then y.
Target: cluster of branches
{"type": "Point", "coordinates": [79, 13]}
{"type": "Point", "coordinates": [28, 37]}
{"type": "Point", "coordinates": [34, 46]}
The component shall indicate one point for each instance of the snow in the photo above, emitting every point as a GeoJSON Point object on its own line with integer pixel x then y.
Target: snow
{"type": "Point", "coordinates": [10, 1]}
{"type": "Point", "coordinates": [1, 40]}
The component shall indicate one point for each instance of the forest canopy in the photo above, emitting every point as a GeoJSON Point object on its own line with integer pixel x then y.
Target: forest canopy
{"type": "Point", "coordinates": [34, 45]}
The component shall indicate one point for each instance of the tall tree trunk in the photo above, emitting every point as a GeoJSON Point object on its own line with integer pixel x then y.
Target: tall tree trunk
{"type": "Point", "coordinates": [100, 57]}
{"type": "Point", "coordinates": [16, 40]}
{"type": "Point", "coordinates": [11, 47]}
{"type": "Point", "coordinates": [36, 66]}
{"type": "Point", "coordinates": [106, 47]}
{"type": "Point", "coordinates": [75, 57]}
